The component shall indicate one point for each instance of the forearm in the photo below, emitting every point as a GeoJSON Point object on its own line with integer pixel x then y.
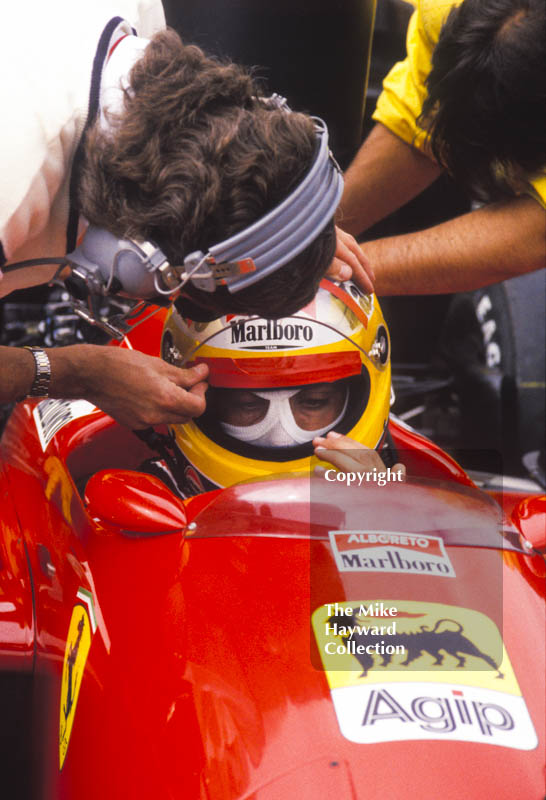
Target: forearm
{"type": "Point", "coordinates": [385, 174]}
{"type": "Point", "coordinates": [70, 369]}
{"type": "Point", "coordinates": [482, 247]}
{"type": "Point", "coordinates": [136, 389]}
{"type": "Point", "coordinates": [17, 370]}
{"type": "Point", "coordinates": [26, 277]}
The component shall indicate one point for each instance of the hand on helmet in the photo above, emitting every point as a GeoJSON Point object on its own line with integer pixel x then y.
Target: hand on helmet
{"type": "Point", "coordinates": [138, 390]}
{"type": "Point", "coordinates": [349, 260]}
{"type": "Point", "coordinates": [347, 455]}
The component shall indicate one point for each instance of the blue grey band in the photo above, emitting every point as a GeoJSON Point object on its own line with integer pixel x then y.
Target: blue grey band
{"type": "Point", "coordinates": [290, 227]}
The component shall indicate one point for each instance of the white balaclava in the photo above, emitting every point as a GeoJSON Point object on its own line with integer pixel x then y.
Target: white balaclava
{"type": "Point", "coordinates": [278, 428]}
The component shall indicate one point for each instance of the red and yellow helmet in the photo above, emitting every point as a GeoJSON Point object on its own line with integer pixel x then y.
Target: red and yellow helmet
{"type": "Point", "coordinates": [339, 339]}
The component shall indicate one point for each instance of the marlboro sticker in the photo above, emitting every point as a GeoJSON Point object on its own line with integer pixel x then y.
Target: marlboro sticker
{"type": "Point", "coordinates": [389, 551]}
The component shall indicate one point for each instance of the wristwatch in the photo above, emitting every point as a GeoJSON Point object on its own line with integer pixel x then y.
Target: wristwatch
{"type": "Point", "coordinates": [42, 378]}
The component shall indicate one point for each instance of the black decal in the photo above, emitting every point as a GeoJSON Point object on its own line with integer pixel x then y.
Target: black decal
{"type": "Point", "coordinates": [416, 643]}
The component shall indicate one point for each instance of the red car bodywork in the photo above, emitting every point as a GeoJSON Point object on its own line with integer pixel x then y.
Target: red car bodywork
{"type": "Point", "coordinates": [203, 677]}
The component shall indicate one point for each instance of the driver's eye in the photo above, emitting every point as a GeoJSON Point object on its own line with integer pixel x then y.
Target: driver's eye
{"type": "Point", "coordinates": [312, 399]}
{"type": "Point", "coordinates": [257, 405]}
{"type": "Point", "coordinates": [242, 408]}
{"type": "Point", "coordinates": [313, 403]}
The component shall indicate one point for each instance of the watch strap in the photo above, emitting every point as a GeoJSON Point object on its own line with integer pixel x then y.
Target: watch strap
{"type": "Point", "coordinates": [42, 377]}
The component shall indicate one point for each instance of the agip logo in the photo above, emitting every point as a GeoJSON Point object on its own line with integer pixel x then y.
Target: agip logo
{"type": "Point", "coordinates": [415, 670]}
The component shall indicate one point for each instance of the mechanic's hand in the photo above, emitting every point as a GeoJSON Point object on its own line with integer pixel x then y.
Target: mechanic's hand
{"type": "Point", "coordinates": [347, 455]}
{"type": "Point", "coordinates": [349, 260]}
{"type": "Point", "coordinates": [138, 390]}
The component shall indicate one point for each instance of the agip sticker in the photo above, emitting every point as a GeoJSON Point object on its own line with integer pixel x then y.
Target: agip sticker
{"type": "Point", "coordinates": [389, 551]}
{"type": "Point", "coordinates": [403, 670]}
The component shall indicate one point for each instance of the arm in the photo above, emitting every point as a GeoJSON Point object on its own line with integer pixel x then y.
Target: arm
{"type": "Point", "coordinates": [485, 246]}
{"type": "Point", "coordinates": [385, 174]}
{"type": "Point", "coordinates": [392, 166]}
{"type": "Point", "coordinates": [29, 276]}
{"type": "Point", "coordinates": [136, 389]}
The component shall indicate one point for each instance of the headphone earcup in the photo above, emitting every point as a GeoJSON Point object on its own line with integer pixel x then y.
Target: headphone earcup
{"type": "Point", "coordinates": [112, 265]}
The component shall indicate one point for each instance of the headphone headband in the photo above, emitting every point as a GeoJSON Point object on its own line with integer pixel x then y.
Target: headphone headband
{"type": "Point", "coordinates": [105, 263]}
{"type": "Point", "coordinates": [290, 227]}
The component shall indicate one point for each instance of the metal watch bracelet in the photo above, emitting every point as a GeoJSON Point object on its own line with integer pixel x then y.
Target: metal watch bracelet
{"type": "Point", "coordinates": [42, 377]}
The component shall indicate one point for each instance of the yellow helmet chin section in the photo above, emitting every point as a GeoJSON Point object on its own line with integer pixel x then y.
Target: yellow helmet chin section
{"type": "Point", "coordinates": [223, 467]}
{"type": "Point", "coordinates": [340, 337]}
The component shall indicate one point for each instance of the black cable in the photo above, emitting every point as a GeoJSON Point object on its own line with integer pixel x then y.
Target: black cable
{"type": "Point", "coordinates": [159, 443]}
{"type": "Point", "coordinates": [34, 262]}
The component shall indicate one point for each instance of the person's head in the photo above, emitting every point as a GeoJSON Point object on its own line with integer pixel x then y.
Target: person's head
{"type": "Point", "coordinates": [196, 156]}
{"type": "Point", "coordinates": [275, 385]}
{"type": "Point", "coordinates": [486, 95]}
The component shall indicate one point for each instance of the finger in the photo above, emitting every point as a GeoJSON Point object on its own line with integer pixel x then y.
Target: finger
{"type": "Point", "coordinates": [339, 270]}
{"type": "Point", "coordinates": [362, 279]}
{"type": "Point", "coordinates": [363, 458]}
{"type": "Point", "coordinates": [343, 460]}
{"type": "Point", "coordinates": [363, 273]}
{"type": "Point", "coordinates": [338, 441]}
{"type": "Point", "coordinates": [343, 269]}
{"type": "Point", "coordinates": [199, 388]}
{"type": "Point", "coordinates": [400, 468]}
{"type": "Point", "coordinates": [188, 377]}
{"type": "Point", "coordinates": [348, 248]}
{"type": "Point", "coordinates": [175, 405]}
{"type": "Point", "coordinates": [189, 403]}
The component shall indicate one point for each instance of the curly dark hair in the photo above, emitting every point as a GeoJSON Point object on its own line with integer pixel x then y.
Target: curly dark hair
{"type": "Point", "coordinates": [484, 112]}
{"type": "Point", "coordinates": [195, 157]}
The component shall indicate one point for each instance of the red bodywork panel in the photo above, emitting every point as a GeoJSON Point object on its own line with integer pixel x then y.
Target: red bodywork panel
{"type": "Point", "coordinates": [203, 677]}
{"type": "Point", "coordinates": [16, 607]}
{"type": "Point", "coordinates": [529, 516]}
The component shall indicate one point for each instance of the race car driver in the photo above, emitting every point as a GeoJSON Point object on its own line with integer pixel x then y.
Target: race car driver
{"type": "Point", "coordinates": [282, 395]}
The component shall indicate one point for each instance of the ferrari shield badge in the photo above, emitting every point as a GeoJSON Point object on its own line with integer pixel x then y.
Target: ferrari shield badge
{"type": "Point", "coordinates": [78, 643]}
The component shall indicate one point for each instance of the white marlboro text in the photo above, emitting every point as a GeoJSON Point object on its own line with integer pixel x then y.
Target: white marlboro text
{"type": "Point", "coordinates": [389, 551]}
{"type": "Point", "coordinates": [392, 712]}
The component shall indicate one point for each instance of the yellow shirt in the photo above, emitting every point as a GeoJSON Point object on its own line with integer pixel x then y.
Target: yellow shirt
{"type": "Point", "coordinates": [404, 88]}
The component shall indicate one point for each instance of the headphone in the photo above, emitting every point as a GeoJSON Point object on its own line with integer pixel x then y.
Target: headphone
{"type": "Point", "coordinates": [104, 264]}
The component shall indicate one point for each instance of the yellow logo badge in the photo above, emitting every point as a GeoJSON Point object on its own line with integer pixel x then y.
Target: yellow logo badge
{"type": "Point", "coordinates": [75, 656]}
{"type": "Point", "coordinates": [401, 669]}
{"type": "Point", "coordinates": [373, 641]}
